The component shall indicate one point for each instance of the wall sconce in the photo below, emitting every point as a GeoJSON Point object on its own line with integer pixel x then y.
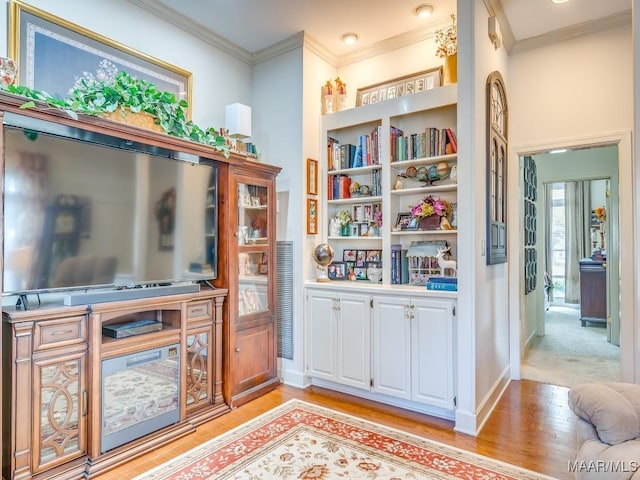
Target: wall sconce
{"type": "Point", "coordinates": [494, 32]}
{"type": "Point", "coordinates": [237, 119]}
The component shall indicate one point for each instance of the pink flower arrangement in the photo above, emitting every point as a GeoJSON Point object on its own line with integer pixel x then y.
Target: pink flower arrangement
{"type": "Point", "coordinates": [431, 205]}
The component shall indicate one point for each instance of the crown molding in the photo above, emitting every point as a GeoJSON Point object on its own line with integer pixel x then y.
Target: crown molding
{"type": "Point", "coordinates": [586, 28]}
{"type": "Point", "coordinates": [200, 31]}
{"type": "Point", "coordinates": [297, 40]}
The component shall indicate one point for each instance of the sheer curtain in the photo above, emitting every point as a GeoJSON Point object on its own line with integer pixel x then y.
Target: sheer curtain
{"type": "Point", "coordinates": [577, 235]}
{"type": "Point", "coordinates": [548, 251]}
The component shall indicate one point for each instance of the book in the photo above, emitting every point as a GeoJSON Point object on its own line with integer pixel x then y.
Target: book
{"type": "Point", "coordinates": [451, 287]}
{"type": "Point", "coordinates": [452, 140]}
{"type": "Point", "coordinates": [442, 279]}
{"type": "Point", "coordinates": [396, 251]}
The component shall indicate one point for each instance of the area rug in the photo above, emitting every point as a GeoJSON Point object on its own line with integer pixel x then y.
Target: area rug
{"type": "Point", "coordinates": [298, 440]}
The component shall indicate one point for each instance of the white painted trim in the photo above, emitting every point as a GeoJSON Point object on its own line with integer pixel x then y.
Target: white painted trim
{"type": "Point", "coordinates": [629, 264]}
{"type": "Point", "coordinates": [295, 379]}
{"type": "Point", "coordinates": [490, 401]}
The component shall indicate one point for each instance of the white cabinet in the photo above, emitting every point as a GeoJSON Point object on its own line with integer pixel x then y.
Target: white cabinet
{"type": "Point", "coordinates": [392, 346]}
{"type": "Point", "coordinates": [413, 349]}
{"type": "Point", "coordinates": [339, 337]}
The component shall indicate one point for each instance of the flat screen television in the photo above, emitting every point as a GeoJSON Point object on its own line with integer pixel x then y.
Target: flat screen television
{"type": "Point", "coordinates": [86, 210]}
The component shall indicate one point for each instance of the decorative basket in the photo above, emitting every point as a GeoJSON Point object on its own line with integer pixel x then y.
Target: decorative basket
{"type": "Point", "coordinates": [137, 119]}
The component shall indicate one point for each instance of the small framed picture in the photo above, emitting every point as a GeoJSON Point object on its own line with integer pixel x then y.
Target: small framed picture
{"type": "Point", "coordinates": [363, 229]}
{"type": "Point", "coordinates": [409, 87]}
{"type": "Point", "coordinates": [355, 230]}
{"type": "Point", "coordinates": [361, 273]}
{"type": "Point", "coordinates": [374, 256]}
{"type": "Point", "coordinates": [312, 216]}
{"type": "Point", "coordinates": [337, 271]}
{"type": "Point", "coordinates": [312, 176]}
{"type": "Point", "coordinates": [357, 213]}
{"type": "Point", "coordinates": [367, 212]}
{"type": "Point", "coordinates": [349, 255]}
{"type": "Point", "coordinates": [420, 85]}
{"type": "Point", "coordinates": [255, 202]}
{"type": "Point", "coordinates": [361, 258]}
{"type": "Point", "coordinates": [391, 92]}
{"type": "Point", "coordinates": [406, 222]}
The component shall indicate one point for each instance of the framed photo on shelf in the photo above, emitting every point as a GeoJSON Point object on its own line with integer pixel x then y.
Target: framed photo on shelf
{"type": "Point", "coordinates": [361, 258]}
{"type": "Point", "coordinates": [406, 222]}
{"type": "Point", "coordinates": [43, 42]}
{"type": "Point", "coordinates": [312, 176]}
{"type": "Point", "coordinates": [337, 271]}
{"type": "Point", "coordinates": [312, 216]}
{"type": "Point", "coordinates": [373, 256]}
{"type": "Point", "coordinates": [361, 273]}
{"type": "Point", "coordinates": [398, 87]}
{"type": "Point", "coordinates": [349, 255]}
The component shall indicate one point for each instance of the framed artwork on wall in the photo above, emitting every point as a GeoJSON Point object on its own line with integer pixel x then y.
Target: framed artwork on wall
{"type": "Point", "coordinates": [41, 43]}
{"type": "Point", "coordinates": [398, 87]}
{"type": "Point", "coordinates": [312, 176]}
{"type": "Point", "coordinates": [312, 216]}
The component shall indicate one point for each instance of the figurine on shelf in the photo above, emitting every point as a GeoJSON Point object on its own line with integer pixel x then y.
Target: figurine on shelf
{"type": "Point", "coordinates": [446, 264]}
{"type": "Point", "coordinates": [334, 228]}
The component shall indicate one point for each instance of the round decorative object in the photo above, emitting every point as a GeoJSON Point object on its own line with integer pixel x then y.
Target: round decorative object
{"type": "Point", "coordinates": [8, 71]}
{"type": "Point", "coordinates": [422, 175]}
{"type": "Point", "coordinates": [443, 169]}
{"type": "Point", "coordinates": [398, 185]}
{"type": "Point", "coordinates": [411, 171]}
{"type": "Point", "coordinates": [365, 190]}
{"type": "Point", "coordinates": [323, 255]}
{"type": "Point", "coordinates": [432, 173]}
{"type": "Point", "coordinates": [354, 188]}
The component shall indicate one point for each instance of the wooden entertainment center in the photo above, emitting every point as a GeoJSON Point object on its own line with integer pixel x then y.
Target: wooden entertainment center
{"type": "Point", "coordinates": [221, 339]}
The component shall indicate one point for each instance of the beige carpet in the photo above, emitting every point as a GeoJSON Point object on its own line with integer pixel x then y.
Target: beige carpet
{"type": "Point", "coordinates": [570, 354]}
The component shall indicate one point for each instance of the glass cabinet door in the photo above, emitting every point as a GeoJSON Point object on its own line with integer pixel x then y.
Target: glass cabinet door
{"type": "Point", "coordinates": [254, 237]}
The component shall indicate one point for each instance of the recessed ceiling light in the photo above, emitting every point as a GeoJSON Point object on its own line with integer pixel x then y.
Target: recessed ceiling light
{"type": "Point", "coordinates": [350, 38]}
{"type": "Point", "coordinates": [423, 10]}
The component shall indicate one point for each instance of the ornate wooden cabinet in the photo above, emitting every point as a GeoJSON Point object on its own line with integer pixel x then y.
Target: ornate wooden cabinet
{"type": "Point", "coordinates": [250, 351]}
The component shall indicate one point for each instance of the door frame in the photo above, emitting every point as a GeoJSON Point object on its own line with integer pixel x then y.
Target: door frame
{"type": "Point", "coordinates": [627, 261]}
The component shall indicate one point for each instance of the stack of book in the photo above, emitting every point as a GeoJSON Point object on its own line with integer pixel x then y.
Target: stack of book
{"type": "Point", "coordinates": [399, 265]}
{"type": "Point", "coordinates": [442, 283]}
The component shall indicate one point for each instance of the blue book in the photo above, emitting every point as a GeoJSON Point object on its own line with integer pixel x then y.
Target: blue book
{"type": "Point", "coordinates": [442, 279]}
{"type": "Point", "coordinates": [451, 287]}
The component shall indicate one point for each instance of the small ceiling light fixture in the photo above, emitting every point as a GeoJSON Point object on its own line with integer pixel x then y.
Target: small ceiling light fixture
{"type": "Point", "coordinates": [559, 1]}
{"type": "Point", "coordinates": [423, 10]}
{"type": "Point", "coordinates": [350, 38]}
{"type": "Point", "coordinates": [558, 150]}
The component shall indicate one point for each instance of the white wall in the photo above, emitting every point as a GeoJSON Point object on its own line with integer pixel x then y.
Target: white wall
{"type": "Point", "coordinates": [591, 102]}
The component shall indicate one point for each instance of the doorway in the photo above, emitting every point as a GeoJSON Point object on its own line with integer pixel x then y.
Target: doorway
{"type": "Point", "coordinates": [557, 349]}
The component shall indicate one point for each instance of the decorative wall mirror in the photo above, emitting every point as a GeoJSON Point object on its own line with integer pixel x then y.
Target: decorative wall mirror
{"type": "Point", "coordinates": [497, 123]}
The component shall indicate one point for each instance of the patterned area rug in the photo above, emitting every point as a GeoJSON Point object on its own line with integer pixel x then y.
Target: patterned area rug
{"type": "Point", "coordinates": [298, 440]}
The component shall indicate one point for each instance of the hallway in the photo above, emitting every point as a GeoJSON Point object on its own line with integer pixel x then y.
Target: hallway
{"type": "Point", "coordinates": [570, 354]}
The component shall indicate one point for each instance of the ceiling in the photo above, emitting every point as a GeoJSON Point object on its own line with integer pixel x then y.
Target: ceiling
{"type": "Point", "coordinates": [250, 27]}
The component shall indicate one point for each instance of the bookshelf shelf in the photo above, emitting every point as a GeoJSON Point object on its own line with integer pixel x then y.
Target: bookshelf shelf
{"type": "Point", "coordinates": [425, 190]}
{"type": "Point", "coordinates": [346, 201]}
{"type": "Point", "coordinates": [423, 232]}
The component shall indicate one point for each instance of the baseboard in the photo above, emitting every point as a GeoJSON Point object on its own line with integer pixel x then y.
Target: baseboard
{"type": "Point", "coordinates": [294, 379]}
{"type": "Point", "coordinates": [492, 398]}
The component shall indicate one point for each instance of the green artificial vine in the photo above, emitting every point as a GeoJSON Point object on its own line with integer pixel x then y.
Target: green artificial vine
{"type": "Point", "coordinates": [97, 97]}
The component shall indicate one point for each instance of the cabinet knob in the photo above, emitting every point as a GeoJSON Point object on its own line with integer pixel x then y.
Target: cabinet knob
{"type": "Point", "coordinates": [237, 349]}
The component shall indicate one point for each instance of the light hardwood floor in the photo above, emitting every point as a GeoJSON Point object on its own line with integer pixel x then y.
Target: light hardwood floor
{"type": "Point", "coordinates": [531, 426]}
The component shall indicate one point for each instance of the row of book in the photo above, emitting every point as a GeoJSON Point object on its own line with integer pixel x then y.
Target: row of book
{"type": "Point", "coordinates": [442, 283]}
{"type": "Point", "coordinates": [339, 186]}
{"type": "Point", "coordinates": [366, 152]}
{"type": "Point", "coordinates": [431, 142]}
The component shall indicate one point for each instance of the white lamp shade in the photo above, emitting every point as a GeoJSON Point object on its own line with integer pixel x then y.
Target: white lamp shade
{"type": "Point", "coordinates": [238, 120]}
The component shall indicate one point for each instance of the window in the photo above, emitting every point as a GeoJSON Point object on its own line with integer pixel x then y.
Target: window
{"type": "Point", "coordinates": [496, 170]}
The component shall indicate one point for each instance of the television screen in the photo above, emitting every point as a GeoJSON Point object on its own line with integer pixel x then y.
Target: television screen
{"type": "Point", "coordinates": [83, 210]}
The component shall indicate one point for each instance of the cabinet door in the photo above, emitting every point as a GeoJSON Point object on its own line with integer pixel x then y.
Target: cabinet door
{"type": "Point", "coordinates": [432, 352]}
{"type": "Point", "coordinates": [254, 357]}
{"type": "Point", "coordinates": [199, 366]}
{"type": "Point", "coordinates": [59, 410]}
{"type": "Point", "coordinates": [391, 347]}
{"type": "Point", "coordinates": [354, 341]}
{"type": "Point", "coordinates": [322, 324]}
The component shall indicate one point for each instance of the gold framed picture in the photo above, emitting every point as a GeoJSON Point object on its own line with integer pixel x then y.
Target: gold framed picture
{"type": "Point", "coordinates": [312, 176]}
{"type": "Point", "coordinates": [312, 216]}
{"type": "Point", "coordinates": [399, 87]}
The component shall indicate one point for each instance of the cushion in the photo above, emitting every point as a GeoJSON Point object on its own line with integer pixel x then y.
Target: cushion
{"type": "Point", "coordinates": [612, 408]}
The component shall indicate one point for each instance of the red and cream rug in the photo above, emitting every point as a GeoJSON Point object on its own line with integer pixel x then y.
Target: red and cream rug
{"type": "Point", "coordinates": [298, 440]}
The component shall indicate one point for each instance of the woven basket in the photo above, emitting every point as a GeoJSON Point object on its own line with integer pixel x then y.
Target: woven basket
{"type": "Point", "coordinates": [138, 119]}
